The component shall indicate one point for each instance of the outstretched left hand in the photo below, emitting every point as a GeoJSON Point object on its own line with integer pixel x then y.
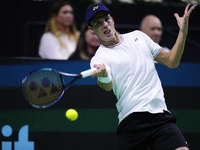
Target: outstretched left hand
{"type": "Point", "coordinates": [183, 21]}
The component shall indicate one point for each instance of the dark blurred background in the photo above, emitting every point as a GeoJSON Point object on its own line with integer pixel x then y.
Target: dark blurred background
{"type": "Point", "coordinates": [21, 25]}
{"type": "Point", "coordinates": [23, 21]}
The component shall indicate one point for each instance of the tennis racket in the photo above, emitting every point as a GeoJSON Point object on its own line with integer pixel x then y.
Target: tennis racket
{"type": "Point", "coordinates": [44, 87]}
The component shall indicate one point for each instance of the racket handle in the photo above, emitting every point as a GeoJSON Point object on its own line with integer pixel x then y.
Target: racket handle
{"type": "Point", "coordinates": [88, 73]}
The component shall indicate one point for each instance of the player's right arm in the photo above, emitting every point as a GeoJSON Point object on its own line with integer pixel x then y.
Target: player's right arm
{"type": "Point", "coordinates": [105, 80]}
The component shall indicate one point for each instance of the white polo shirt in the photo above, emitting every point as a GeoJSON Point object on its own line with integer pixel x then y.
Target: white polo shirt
{"type": "Point", "coordinates": [131, 65]}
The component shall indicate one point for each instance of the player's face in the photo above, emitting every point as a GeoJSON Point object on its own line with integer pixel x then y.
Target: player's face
{"type": "Point", "coordinates": [103, 26]}
{"type": "Point", "coordinates": [65, 16]}
{"type": "Point", "coordinates": [154, 30]}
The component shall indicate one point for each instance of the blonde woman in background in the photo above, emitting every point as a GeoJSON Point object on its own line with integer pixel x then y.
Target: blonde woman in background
{"type": "Point", "coordinates": [61, 35]}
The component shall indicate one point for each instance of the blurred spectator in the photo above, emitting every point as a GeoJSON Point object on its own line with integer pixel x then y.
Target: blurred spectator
{"type": "Point", "coordinates": [152, 26]}
{"type": "Point", "coordinates": [87, 45]}
{"type": "Point", "coordinates": [61, 35]}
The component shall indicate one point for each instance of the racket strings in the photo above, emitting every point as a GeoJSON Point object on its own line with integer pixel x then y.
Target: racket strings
{"type": "Point", "coordinates": [43, 88]}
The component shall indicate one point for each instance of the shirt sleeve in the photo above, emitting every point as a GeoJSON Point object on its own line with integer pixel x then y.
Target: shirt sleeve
{"type": "Point", "coordinates": [154, 47]}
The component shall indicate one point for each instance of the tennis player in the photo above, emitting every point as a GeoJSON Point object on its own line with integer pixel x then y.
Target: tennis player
{"type": "Point", "coordinates": [125, 64]}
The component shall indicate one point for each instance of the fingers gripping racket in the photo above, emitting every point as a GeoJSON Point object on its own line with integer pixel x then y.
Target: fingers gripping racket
{"type": "Point", "coordinates": [44, 87]}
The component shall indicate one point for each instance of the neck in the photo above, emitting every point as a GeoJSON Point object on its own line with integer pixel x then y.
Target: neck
{"type": "Point", "coordinates": [117, 39]}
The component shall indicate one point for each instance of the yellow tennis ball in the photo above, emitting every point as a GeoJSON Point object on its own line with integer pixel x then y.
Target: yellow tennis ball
{"type": "Point", "coordinates": [71, 114]}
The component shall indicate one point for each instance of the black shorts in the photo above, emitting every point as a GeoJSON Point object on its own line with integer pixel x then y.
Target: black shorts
{"type": "Point", "coordinates": [141, 130]}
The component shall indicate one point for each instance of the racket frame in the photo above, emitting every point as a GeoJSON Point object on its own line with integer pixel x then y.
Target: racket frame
{"type": "Point", "coordinates": [81, 75]}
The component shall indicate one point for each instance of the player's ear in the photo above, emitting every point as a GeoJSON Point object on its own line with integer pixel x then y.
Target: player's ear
{"type": "Point", "coordinates": [112, 19]}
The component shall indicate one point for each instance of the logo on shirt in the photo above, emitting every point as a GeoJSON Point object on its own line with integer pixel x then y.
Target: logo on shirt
{"type": "Point", "coordinates": [136, 39]}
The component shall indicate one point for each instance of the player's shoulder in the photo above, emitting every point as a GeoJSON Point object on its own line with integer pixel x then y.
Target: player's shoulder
{"type": "Point", "coordinates": [100, 51]}
{"type": "Point", "coordinates": [99, 56]}
{"type": "Point", "coordinates": [133, 33]}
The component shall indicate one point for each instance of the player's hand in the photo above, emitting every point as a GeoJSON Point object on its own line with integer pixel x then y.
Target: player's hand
{"type": "Point", "coordinates": [183, 21]}
{"type": "Point", "coordinates": [101, 71]}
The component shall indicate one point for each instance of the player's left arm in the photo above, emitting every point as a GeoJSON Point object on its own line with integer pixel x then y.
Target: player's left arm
{"type": "Point", "coordinates": [172, 58]}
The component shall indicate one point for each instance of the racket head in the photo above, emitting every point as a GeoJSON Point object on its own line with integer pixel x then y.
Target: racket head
{"type": "Point", "coordinates": [43, 87]}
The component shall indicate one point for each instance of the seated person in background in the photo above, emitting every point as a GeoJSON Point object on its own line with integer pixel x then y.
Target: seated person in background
{"type": "Point", "coordinates": [87, 45]}
{"type": "Point", "coordinates": [61, 35]}
{"type": "Point", "coordinates": [152, 26]}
